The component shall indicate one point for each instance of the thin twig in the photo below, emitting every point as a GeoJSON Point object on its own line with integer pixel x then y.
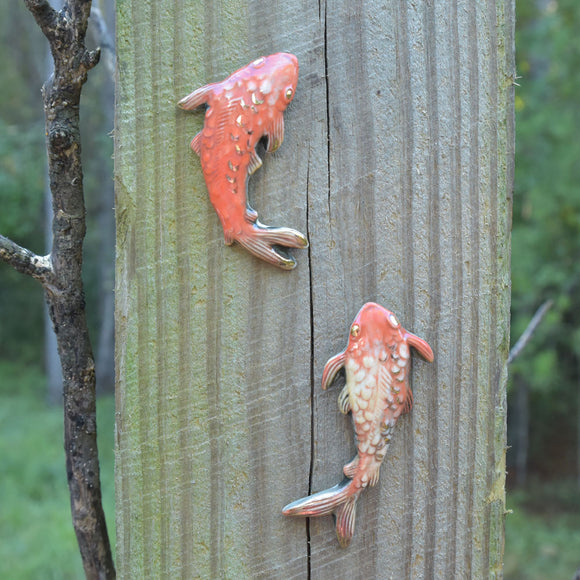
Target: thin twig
{"type": "Point", "coordinates": [529, 331]}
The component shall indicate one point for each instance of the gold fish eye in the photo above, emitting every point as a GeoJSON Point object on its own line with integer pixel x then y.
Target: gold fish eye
{"type": "Point", "coordinates": [289, 93]}
{"type": "Point", "coordinates": [354, 330]}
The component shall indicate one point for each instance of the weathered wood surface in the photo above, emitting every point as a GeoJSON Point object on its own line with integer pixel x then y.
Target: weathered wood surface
{"type": "Point", "coordinates": [397, 163]}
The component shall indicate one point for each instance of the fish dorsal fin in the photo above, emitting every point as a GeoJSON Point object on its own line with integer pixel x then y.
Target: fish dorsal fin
{"type": "Point", "coordinates": [331, 368]}
{"type": "Point", "coordinates": [275, 134]}
{"type": "Point", "coordinates": [196, 143]}
{"type": "Point", "coordinates": [199, 97]}
{"type": "Point", "coordinates": [255, 162]}
{"type": "Point", "coordinates": [344, 400]}
{"type": "Point", "coordinates": [345, 519]}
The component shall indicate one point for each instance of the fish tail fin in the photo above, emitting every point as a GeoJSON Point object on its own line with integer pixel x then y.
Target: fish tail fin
{"type": "Point", "coordinates": [345, 518]}
{"type": "Point", "coordinates": [340, 500]}
{"type": "Point", "coordinates": [266, 243]}
{"type": "Point", "coordinates": [197, 98]}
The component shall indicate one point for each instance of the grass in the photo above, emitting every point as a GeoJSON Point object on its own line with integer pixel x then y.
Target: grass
{"type": "Point", "coordinates": [37, 540]}
{"type": "Point", "coordinates": [543, 532]}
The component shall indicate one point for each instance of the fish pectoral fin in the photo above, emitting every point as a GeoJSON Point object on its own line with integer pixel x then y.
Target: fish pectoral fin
{"type": "Point", "coordinates": [408, 402]}
{"type": "Point", "coordinates": [255, 162]}
{"type": "Point", "coordinates": [350, 468]}
{"type": "Point", "coordinates": [344, 400]}
{"type": "Point", "coordinates": [196, 143]}
{"type": "Point", "coordinates": [251, 215]}
{"type": "Point", "coordinates": [333, 365]}
{"type": "Point", "coordinates": [275, 134]}
{"type": "Point", "coordinates": [199, 97]}
{"type": "Point", "coordinates": [374, 475]}
{"type": "Point", "coordinates": [421, 345]}
{"type": "Point", "coordinates": [345, 519]}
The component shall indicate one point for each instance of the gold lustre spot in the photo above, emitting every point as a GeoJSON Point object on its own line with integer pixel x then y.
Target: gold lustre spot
{"type": "Point", "coordinates": [255, 100]}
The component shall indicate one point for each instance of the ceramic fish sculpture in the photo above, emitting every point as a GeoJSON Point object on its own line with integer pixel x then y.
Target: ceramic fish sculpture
{"type": "Point", "coordinates": [377, 392]}
{"type": "Point", "coordinates": [246, 107]}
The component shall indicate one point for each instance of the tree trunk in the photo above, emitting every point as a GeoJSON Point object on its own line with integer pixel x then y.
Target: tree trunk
{"type": "Point", "coordinates": [397, 163]}
{"type": "Point", "coordinates": [54, 379]}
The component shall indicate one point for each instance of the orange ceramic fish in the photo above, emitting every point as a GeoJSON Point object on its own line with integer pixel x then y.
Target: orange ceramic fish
{"type": "Point", "coordinates": [246, 107]}
{"type": "Point", "coordinates": [376, 393]}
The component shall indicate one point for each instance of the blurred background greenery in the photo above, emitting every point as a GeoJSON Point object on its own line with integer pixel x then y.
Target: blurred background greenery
{"type": "Point", "coordinates": [543, 532]}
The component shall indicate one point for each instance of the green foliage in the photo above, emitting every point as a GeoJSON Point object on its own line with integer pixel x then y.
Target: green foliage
{"type": "Point", "coordinates": [22, 182]}
{"type": "Point", "coordinates": [543, 533]}
{"type": "Point", "coordinates": [22, 169]}
{"type": "Point", "coordinates": [21, 195]}
{"type": "Point", "coordinates": [37, 539]}
{"type": "Point", "coordinates": [546, 228]}
{"type": "Point", "coordinates": [21, 65]}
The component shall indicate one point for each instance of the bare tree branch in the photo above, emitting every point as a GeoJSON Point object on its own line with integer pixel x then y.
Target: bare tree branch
{"type": "Point", "coordinates": [25, 261]}
{"type": "Point", "coordinates": [45, 15]}
{"type": "Point", "coordinates": [529, 331]}
{"type": "Point", "coordinates": [61, 272]}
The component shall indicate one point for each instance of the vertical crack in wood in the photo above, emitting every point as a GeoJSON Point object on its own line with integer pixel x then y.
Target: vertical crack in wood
{"type": "Point", "coordinates": [327, 87]}
{"type": "Point", "coordinates": [311, 297]}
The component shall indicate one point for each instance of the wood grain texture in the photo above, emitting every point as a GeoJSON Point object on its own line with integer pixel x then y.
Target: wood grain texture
{"type": "Point", "coordinates": [397, 163]}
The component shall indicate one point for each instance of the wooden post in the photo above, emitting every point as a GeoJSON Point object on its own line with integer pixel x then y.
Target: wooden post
{"type": "Point", "coordinates": [397, 163]}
